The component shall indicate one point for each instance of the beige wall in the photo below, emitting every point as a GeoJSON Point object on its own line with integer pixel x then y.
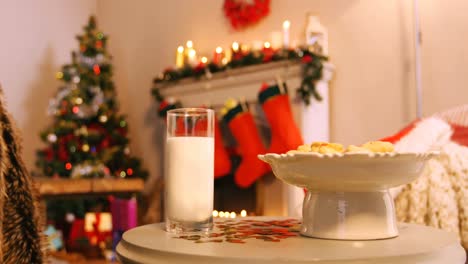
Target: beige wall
{"type": "Point", "coordinates": [36, 39]}
{"type": "Point", "coordinates": [370, 45]}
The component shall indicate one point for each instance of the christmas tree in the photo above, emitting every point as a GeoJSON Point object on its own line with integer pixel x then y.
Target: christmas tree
{"type": "Point", "coordinates": [88, 137]}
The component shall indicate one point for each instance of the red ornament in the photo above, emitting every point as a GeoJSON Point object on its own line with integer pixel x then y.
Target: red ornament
{"type": "Point", "coordinates": [105, 143]}
{"type": "Point", "coordinates": [129, 171]}
{"type": "Point", "coordinates": [75, 109]}
{"type": "Point", "coordinates": [68, 166]}
{"type": "Point", "coordinates": [98, 44]}
{"type": "Point", "coordinates": [62, 152]}
{"type": "Point", "coordinates": [243, 13]}
{"type": "Point", "coordinates": [49, 154]}
{"type": "Point", "coordinates": [96, 69]}
{"type": "Point", "coordinates": [306, 59]}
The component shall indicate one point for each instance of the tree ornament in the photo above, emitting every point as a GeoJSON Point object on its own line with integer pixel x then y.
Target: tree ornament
{"type": "Point", "coordinates": [76, 79]}
{"type": "Point", "coordinates": [126, 150]}
{"type": "Point", "coordinates": [96, 69]}
{"type": "Point", "coordinates": [70, 217]}
{"type": "Point", "coordinates": [85, 147]}
{"type": "Point", "coordinates": [52, 138]}
{"type": "Point", "coordinates": [102, 118]}
{"type": "Point", "coordinates": [59, 75]}
{"type": "Point", "coordinates": [78, 100]}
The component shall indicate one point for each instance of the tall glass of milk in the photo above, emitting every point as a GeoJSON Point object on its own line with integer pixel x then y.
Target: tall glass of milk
{"type": "Point", "coordinates": [189, 170]}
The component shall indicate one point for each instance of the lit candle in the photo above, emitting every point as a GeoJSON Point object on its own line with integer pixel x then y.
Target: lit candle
{"type": "Point", "coordinates": [233, 215]}
{"type": "Point", "coordinates": [286, 26]}
{"type": "Point", "coordinates": [221, 214]}
{"type": "Point", "coordinates": [267, 52]}
{"type": "Point", "coordinates": [236, 51]}
{"type": "Point", "coordinates": [180, 57]}
{"type": "Point", "coordinates": [215, 213]}
{"type": "Point", "coordinates": [192, 57]}
{"type": "Point", "coordinates": [218, 55]}
{"type": "Point", "coordinates": [190, 53]}
{"type": "Point", "coordinates": [243, 213]}
{"type": "Point", "coordinates": [235, 47]}
{"type": "Point", "coordinates": [204, 60]}
{"type": "Point", "coordinates": [227, 56]}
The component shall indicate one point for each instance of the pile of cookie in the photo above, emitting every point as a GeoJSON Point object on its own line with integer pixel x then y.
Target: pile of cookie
{"type": "Point", "coordinates": [332, 148]}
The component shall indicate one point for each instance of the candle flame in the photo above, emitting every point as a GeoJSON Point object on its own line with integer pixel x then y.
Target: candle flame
{"type": "Point", "coordinates": [286, 24]}
{"type": "Point", "coordinates": [235, 46]}
{"type": "Point", "coordinates": [221, 214]}
{"type": "Point", "coordinates": [267, 45]}
{"type": "Point", "coordinates": [204, 60]}
{"type": "Point", "coordinates": [233, 215]}
{"type": "Point", "coordinates": [224, 61]}
{"type": "Point", "coordinates": [180, 49]}
{"type": "Point", "coordinates": [243, 213]}
{"type": "Point", "coordinates": [215, 213]}
{"type": "Point", "coordinates": [189, 44]}
{"type": "Point", "coordinates": [219, 50]}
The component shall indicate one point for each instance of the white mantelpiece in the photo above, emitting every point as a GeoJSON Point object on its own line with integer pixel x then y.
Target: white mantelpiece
{"type": "Point", "coordinates": [245, 83]}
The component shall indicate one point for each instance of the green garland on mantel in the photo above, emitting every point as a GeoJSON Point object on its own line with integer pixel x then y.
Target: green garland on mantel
{"type": "Point", "coordinates": [312, 70]}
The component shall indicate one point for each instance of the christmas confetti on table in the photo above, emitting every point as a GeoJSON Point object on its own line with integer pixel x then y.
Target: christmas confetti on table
{"type": "Point", "coordinates": [238, 231]}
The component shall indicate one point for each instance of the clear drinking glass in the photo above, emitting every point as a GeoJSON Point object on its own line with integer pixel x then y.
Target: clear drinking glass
{"type": "Point", "coordinates": [189, 181]}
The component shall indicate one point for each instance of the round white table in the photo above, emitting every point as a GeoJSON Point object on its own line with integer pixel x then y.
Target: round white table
{"type": "Point", "coordinates": [415, 245]}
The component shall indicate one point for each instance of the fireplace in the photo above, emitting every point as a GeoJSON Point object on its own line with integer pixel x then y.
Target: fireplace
{"type": "Point", "coordinates": [268, 196]}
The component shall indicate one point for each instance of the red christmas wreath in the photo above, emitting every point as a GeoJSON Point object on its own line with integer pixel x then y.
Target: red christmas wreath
{"type": "Point", "coordinates": [243, 13]}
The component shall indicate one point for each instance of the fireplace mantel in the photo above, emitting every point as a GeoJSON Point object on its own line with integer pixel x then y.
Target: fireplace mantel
{"type": "Point", "coordinates": [244, 83]}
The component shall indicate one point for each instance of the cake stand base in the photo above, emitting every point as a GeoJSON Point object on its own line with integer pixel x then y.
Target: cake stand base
{"type": "Point", "coordinates": [349, 215]}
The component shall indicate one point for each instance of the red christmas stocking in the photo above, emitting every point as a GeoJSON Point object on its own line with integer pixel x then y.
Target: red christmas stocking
{"type": "Point", "coordinates": [245, 132]}
{"type": "Point", "coordinates": [222, 164]}
{"type": "Point", "coordinates": [285, 134]}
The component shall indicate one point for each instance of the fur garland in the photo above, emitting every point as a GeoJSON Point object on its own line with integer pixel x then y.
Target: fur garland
{"type": "Point", "coordinates": [21, 236]}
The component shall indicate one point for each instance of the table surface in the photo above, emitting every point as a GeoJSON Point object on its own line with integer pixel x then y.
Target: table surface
{"type": "Point", "coordinates": [148, 244]}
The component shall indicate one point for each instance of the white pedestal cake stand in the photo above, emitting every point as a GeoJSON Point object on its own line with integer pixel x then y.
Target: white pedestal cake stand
{"type": "Point", "coordinates": [415, 245]}
{"type": "Point", "coordinates": [348, 194]}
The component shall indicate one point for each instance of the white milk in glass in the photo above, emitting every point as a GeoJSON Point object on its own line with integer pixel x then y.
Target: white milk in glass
{"type": "Point", "coordinates": [189, 178]}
